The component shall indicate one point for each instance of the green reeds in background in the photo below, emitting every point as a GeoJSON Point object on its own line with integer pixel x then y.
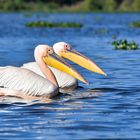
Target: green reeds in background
{"type": "Point", "coordinates": [70, 5]}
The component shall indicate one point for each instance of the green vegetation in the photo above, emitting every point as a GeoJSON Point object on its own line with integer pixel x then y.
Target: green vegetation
{"type": "Point", "coordinates": [99, 5]}
{"type": "Point", "coordinates": [51, 24]}
{"type": "Point", "coordinates": [70, 5]}
{"type": "Point", "coordinates": [124, 45]}
{"type": "Point", "coordinates": [28, 5]}
{"type": "Point", "coordinates": [135, 24]}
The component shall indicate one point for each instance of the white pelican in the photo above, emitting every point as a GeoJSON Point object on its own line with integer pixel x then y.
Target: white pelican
{"type": "Point", "coordinates": [26, 84]}
{"type": "Point", "coordinates": [64, 50]}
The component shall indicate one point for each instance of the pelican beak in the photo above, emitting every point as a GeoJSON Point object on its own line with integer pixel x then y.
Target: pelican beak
{"type": "Point", "coordinates": [82, 60]}
{"type": "Point", "coordinates": [57, 62]}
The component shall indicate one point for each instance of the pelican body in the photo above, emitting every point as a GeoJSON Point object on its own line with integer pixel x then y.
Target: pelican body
{"type": "Point", "coordinates": [23, 82]}
{"type": "Point", "coordinates": [65, 81]}
{"type": "Point", "coordinates": [26, 84]}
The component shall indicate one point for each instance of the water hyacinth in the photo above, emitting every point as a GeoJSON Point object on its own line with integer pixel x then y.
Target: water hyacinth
{"type": "Point", "coordinates": [124, 45]}
{"type": "Point", "coordinates": [135, 24]}
{"type": "Point", "coordinates": [53, 24]}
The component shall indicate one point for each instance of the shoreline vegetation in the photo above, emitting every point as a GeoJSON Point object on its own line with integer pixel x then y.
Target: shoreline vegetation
{"type": "Point", "coordinates": [70, 6]}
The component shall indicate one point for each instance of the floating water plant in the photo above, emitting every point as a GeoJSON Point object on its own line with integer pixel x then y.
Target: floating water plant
{"type": "Point", "coordinates": [135, 24]}
{"type": "Point", "coordinates": [125, 45]}
{"type": "Point", "coordinates": [53, 24]}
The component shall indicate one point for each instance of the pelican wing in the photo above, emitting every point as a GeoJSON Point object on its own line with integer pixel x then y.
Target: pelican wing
{"type": "Point", "coordinates": [65, 81]}
{"type": "Point", "coordinates": [26, 81]}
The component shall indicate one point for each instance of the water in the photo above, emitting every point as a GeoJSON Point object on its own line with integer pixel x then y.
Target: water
{"type": "Point", "coordinates": [108, 108]}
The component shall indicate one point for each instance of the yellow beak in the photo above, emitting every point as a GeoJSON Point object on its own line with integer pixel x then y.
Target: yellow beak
{"type": "Point", "coordinates": [57, 62]}
{"type": "Point", "coordinates": [82, 60]}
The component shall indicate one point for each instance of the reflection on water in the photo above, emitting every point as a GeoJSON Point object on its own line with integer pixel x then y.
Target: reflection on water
{"type": "Point", "coordinates": [107, 108]}
{"type": "Point", "coordinates": [61, 97]}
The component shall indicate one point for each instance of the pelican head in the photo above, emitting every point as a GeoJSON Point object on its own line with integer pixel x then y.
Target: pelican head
{"type": "Point", "coordinates": [65, 50]}
{"type": "Point", "coordinates": [49, 57]}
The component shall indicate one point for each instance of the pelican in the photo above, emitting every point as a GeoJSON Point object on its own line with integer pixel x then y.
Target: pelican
{"type": "Point", "coordinates": [66, 81]}
{"type": "Point", "coordinates": [24, 83]}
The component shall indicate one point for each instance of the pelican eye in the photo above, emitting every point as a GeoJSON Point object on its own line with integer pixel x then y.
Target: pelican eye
{"type": "Point", "coordinates": [50, 51]}
{"type": "Point", "coordinates": [67, 47]}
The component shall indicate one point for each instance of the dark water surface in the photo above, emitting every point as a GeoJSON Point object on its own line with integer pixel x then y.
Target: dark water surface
{"type": "Point", "coordinates": [108, 108]}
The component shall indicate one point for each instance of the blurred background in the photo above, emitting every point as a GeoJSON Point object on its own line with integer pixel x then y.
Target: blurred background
{"type": "Point", "coordinates": [71, 5]}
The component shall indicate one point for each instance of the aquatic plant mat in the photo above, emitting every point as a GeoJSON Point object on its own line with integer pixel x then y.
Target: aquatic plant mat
{"type": "Point", "coordinates": [125, 45]}
{"type": "Point", "coordinates": [53, 24]}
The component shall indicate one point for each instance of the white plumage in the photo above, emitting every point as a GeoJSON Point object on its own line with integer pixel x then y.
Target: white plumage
{"type": "Point", "coordinates": [25, 82]}
{"type": "Point", "coordinates": [65, 81]}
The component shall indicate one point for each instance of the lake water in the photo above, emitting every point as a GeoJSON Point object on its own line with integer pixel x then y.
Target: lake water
{"type": "Point", "coordinates": [108, 108]}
